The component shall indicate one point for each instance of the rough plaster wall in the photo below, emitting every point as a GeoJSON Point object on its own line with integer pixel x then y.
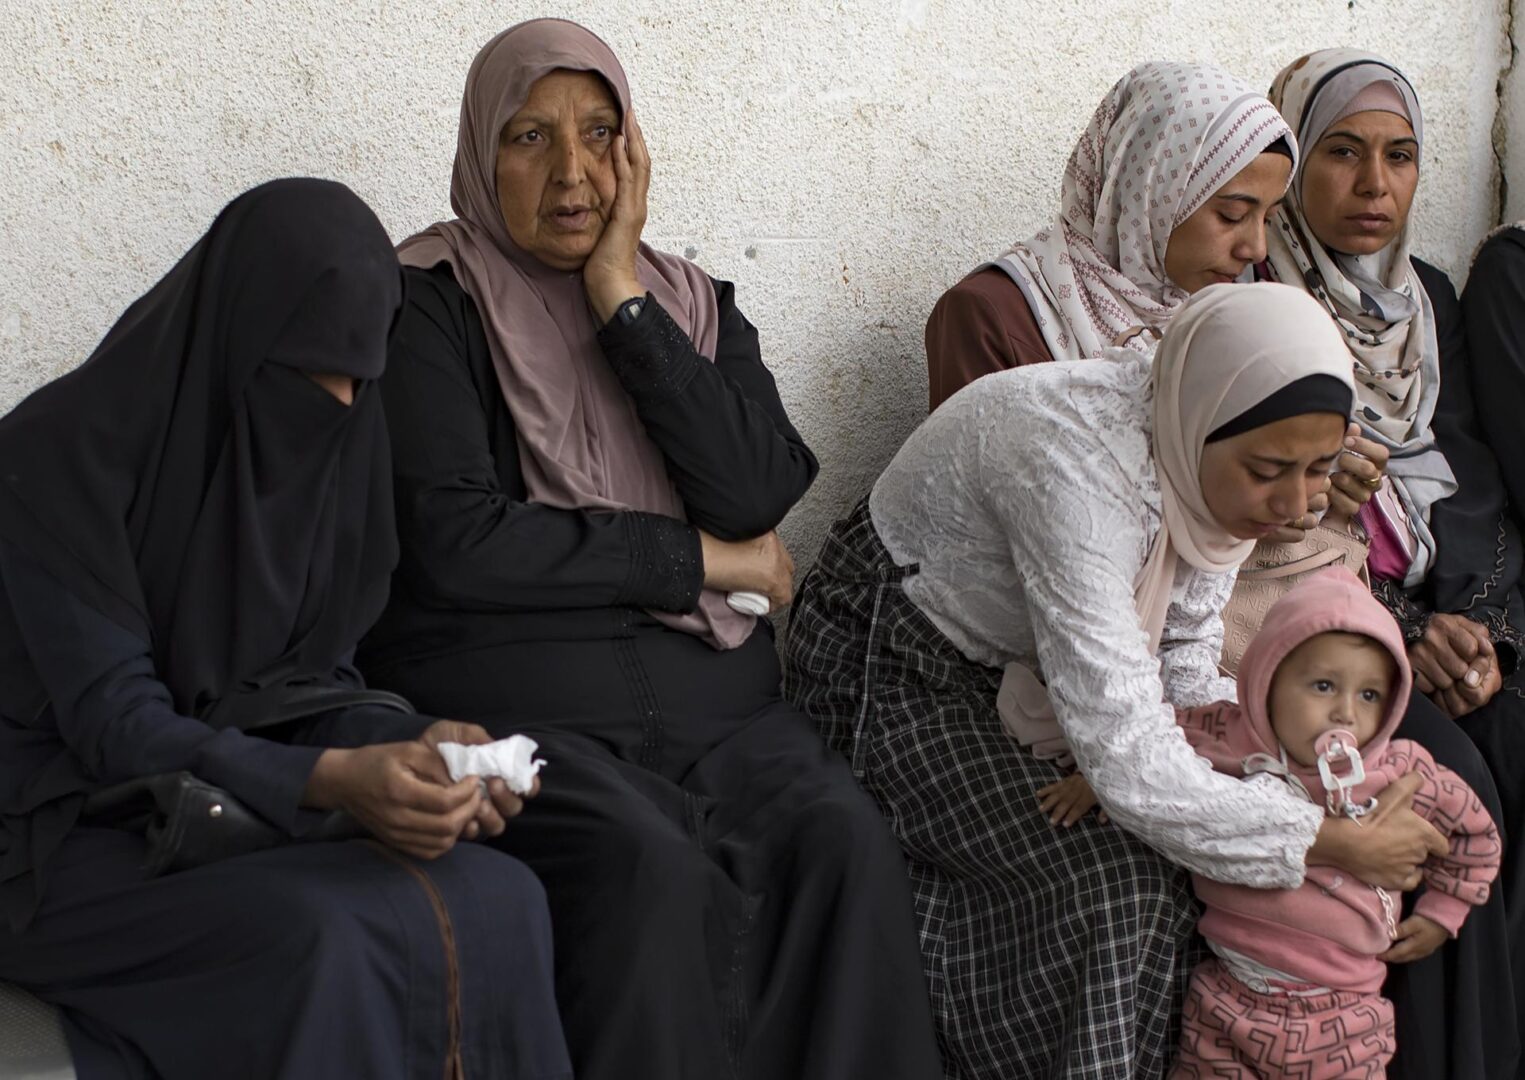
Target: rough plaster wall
{"type": "Point", "coordinates": [842, 162]}
{"type": "Point", "coordinates": [1509, 128]}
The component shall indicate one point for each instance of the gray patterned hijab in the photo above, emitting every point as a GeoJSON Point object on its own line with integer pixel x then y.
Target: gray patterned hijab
{"type": "Point", "coordinates": [1376, 300]}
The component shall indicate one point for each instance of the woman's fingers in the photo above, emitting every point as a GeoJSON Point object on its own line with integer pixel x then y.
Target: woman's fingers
{"type": "Point", "coordinates": [504, 802]}
{"type": "Point", "coordinates": [1293, 534]}
{"type": "Point", "coordinates": [1348, 494]}
{"type": "Point", "coordinates": [456, 731]}
{"type": "Point", "coordinates": [1399, 795]}
{"type": "Point", "coordinates": [1461, 640]}
{"type": "Point", "coordinates": [1369, 449]}
{"type": "Point", "coordinates": [488, 821]}
{"type": "Point", "coordinates": [416, 791]}
{"type": "Point", "coordinates": [1357, 466]}
{"type": "Point", "coordinates": [640, 156]}
{"type": "Point", "coordinates": [1438, 657]}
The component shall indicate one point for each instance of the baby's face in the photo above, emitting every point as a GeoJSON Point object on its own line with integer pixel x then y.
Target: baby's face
{"type": "Point", "coordinates": [1331, 681]}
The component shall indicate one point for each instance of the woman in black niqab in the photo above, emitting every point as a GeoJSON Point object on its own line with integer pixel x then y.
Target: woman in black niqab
{"type": "Point", "coordinates": [193, 483]}
{"type": "Point", "coordinates": [193, 522]}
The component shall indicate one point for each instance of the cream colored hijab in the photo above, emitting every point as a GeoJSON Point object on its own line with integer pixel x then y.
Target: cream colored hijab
{"type": "Point", "coordinates": [1230, 348]}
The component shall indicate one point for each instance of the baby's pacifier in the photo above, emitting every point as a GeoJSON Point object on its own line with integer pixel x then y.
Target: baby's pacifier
{"type": "Point", "coordinates": [1341, 768]}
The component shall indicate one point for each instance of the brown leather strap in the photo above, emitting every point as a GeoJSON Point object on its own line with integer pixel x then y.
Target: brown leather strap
{"type": "Point", "coordinates": [455, 1065]}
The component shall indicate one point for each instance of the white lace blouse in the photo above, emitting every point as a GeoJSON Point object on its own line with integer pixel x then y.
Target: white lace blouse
{"type": "Point", "coordinates": [1029, 500]}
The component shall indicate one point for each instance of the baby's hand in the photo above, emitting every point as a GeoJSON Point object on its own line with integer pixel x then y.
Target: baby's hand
{"type": "Point", "coordinates": [1067, 801]}
{"type": "Point", "coordinates": [1417, 938]}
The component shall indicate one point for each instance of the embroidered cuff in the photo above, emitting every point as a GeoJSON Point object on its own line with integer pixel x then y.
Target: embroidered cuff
{"type": "Point", "coordinates": [666, 563]}
{"type": "Point", "coordinates": [652, 356]}
{"type": "Point", "coordinates": [1508, 643]}
{"type": "Point", "coordinates": [1412, 619]}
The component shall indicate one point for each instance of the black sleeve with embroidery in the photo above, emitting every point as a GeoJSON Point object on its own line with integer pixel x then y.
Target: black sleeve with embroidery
{"type": "Point", "coordinates": [1412, 617]}
{"type": "Point", "coordinates": [471, 540]}
{"type": "Point", "coordinates": [738, 463]}
{"type": "Point", "coordinates": [1480, 557]}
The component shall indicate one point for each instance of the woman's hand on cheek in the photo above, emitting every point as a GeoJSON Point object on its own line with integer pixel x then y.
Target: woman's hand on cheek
{"type": "Point", "coordinates": [609, 274]}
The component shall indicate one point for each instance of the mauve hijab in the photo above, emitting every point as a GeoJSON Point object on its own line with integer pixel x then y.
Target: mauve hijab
{"type": "Point", "coordinates": [581, 441]}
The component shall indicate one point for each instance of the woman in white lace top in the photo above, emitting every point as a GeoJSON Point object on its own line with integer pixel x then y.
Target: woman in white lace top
{"type": "Point", "coordinates": [1081, 521]}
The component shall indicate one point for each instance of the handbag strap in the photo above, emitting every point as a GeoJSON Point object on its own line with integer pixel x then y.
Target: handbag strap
{"type": "Point", "coordinates": [1317, 561]}
{"type": "Point", "coordinates": [283, 703]}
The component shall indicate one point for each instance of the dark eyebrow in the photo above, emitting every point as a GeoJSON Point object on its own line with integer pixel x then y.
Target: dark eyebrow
{"type": "Point", "coordinates": [526, 118]}
{"type": "Point", "coordinates": [1282, 463]}
{"type": "Point", "coordinates": [1238, 196]}
{"type": "Point", "coordinates": [1341, 133]}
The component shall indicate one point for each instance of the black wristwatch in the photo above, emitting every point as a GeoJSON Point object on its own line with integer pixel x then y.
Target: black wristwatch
{"type": "Point", "coordinates": [630, 310]}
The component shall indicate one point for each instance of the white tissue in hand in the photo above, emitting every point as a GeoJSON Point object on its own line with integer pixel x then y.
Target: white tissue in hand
{"type": "Point", "coordinates": [512, 758]}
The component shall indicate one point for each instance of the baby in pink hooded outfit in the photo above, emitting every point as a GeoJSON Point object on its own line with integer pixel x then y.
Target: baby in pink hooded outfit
{"type": "Point", "coordinates": [1294, 984]}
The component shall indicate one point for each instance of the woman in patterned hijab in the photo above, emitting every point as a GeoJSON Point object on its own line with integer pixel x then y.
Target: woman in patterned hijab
{"type": "Point", "coordinates": [1166, 192]}
{"type": "Point", "coordinates": [1446, 555]}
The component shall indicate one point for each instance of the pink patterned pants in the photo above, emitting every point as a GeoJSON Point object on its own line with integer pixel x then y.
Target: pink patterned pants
{"type": "Point", "coordinates": [1231, 1031]}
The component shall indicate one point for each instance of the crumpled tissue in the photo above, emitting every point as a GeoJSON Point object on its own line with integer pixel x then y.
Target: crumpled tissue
{"type": "Point", "coordinates": [512, 758]}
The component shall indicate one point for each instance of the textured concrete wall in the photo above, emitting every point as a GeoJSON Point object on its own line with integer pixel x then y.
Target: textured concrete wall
{"type": "Point", "coordinates": [842, 162]}
{"type": "Point", "coordinates": [1509, 134]}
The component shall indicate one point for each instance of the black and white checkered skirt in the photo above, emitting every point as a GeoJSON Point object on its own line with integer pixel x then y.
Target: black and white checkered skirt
{"type": "Point", "coordinates": [1049, 952]}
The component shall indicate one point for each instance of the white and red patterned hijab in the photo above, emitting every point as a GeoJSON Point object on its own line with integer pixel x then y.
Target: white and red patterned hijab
{"type": "Point", "coordinates": [1161, 143]}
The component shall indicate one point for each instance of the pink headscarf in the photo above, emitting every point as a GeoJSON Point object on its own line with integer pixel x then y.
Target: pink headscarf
{"type": "Point", "coordinates": [580, 440]}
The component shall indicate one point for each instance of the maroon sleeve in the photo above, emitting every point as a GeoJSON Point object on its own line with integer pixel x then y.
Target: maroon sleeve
{"type": "Point", "coordinates": [981, 325]}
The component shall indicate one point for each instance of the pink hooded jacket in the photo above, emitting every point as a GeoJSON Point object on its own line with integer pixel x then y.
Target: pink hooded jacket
{"type": "Point", "coordinates": [1331, 929]}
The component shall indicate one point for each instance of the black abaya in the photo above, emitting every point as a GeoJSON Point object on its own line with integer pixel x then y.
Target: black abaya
{"type": "Point", "coordinates": [726, 901]}
{"type": "Point", "coordinates": [184, 519]}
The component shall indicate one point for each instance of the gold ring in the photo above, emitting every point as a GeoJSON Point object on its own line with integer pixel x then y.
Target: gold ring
{"type": "Point", "coordinates": [1373, 484]}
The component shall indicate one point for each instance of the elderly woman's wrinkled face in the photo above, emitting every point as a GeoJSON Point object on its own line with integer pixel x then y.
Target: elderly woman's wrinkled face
{"type": "Point", "coordinates": [1261, 479]}
{"type": "Point", "coordinates": [555, 169]}
{"type": "Point", "coordinates": [1227, 232]}
{"type": "Point", "coordinates": [1359, 181]}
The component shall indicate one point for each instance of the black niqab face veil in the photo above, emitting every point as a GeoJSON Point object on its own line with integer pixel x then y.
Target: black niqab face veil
{"type": "Point", "coordinates": [191, 482]}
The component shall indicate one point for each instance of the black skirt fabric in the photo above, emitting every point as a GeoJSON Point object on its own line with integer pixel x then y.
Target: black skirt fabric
{"type": "Point", "coordinates": [300, 963]}
{"type": "Point", "coordinates": [726, 902]}
{"type": "Point", "coordinates": [1049, 951]}
{"type": "Point", "coordinates": [1456, 1009]}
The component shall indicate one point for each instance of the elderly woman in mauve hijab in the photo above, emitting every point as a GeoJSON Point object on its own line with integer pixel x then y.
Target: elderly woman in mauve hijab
{"type": "Point", "coordinates": [1446, 555]}
{"type": "Point", "coordinates": [590, 457]}
{"type": "Point", "coordinates": [196, 527]}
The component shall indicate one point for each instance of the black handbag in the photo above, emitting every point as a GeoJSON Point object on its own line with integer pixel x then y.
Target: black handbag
{"type": "Point", "coordinates": [189, 822]}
